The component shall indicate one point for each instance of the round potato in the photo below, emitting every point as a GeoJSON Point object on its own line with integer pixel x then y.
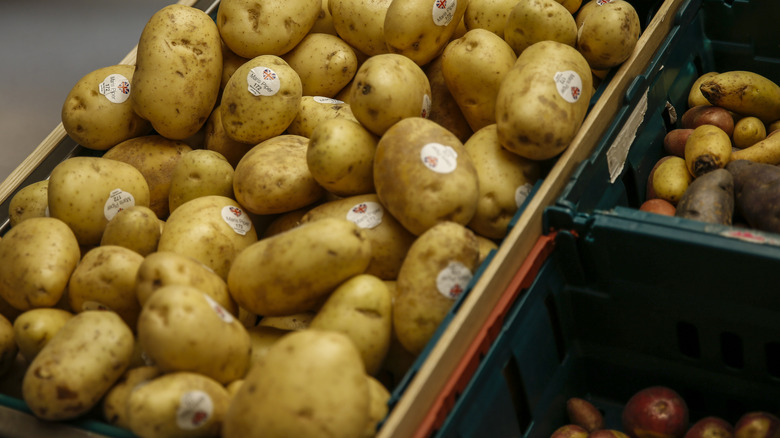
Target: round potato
{"type": "Point", "coordinates": [37, 257]}
{"type": "Point", "coordinates": [182, 329]}
{"type": "Point", "coordinates": [30, 201]}
{"type": "Point", "coordinates": [178, 71]}
{"type": "Point", "coordinates": [539, 20]}
{"type": "Point", "coordinates": [273, 177]}
{"type": "Point", "coordinates": [180, 404]}
{"type": "Point", "coordinates": [423, 175]}
{"type": "Point", "coordinates": [211, 229]}
{"type": "Point", "coordinates": [35, 327]}
{"type": "Point", "coordinates": [200, 172]}
{"type": "Point", "coordinates": [325, 64]}
{"type": "Point", "coordinates": [136, 228]}
{"type": "Point", "coordinates": [490, 15]}
{"type": "Point", "coordinates": [361, 24]}
{"type": "Point", "coordinates": [260, 100]}
{"type": "Point", "coordinates": [87, 192]}
{"type": "Point", "coordinates": [340, 157]}
{"type": "Point", "coordinates": [76, 368]}
{"type": "Point", "coordinates": [315, 110]}
{"type": "Point", "coordinates": [98, 113]}
{"type": "Point", "coordinates": [114, 404]}
{"type": "Point", "coordinates": [270, 402]}
{"type": "Point", "coordinates": [609, 34]}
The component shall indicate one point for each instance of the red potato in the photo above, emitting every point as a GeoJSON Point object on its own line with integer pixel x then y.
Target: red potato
{"type": "Point", "coordinates": [607, 433]}
{"type": "Point", "coordinates": [674, 141]}
{"type": "Point", "coordinates": [655, 412]}
{"type": "Point", "coordinates": [757, 424]}
{"type": "Point", "coordinates": [658, 206]}
{"type": "Point", "coordinates": [708, 115]}
{"type": "Point", "coordinates": [711, 427]}
{"type": "Point", "coordinates": [570, 431]}
{"type": "Point", "coordinates": [582, 413]}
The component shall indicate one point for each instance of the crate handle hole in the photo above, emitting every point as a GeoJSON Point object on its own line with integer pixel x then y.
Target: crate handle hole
{"type": "Point", "coordinates": [688, 339]}
{"type": "Point", "coordinates": [555, 322]}
{"type": "Point", "coordinates": [731, 350]}
{"type": "Point", "coordinates": [772, 350]}
{"type": "Point", "coordinates": [514, 382]}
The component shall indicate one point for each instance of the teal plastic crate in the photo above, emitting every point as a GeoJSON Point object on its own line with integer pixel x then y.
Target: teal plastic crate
{"type": "Point", "coordinates": [567, 337]}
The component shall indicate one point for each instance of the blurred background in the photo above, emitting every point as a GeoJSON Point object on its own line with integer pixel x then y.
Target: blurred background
{"type": "Point", "coordinates": [46, 47]}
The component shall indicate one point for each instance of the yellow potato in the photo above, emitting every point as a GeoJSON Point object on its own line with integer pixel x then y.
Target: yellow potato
{"type": "Point", "coordinates": [297, 321]}
{"type": "Point", "coordinates": [444, 108]}
{"type": "Point", "coordinates": [260, 100]}
{"type": "Point", "coordinates": [315, 110]}
{"type": "Point", "coordinates": [490, 15]}
{"type": "Point", "coordinates": [293, 271]}
{"type": "Point", "coordinates": [182, 329]}
{"type": "Point", "coordinates": [114, 404]}
{"type": "Point", "coordinates": [35, 327]}
{"type": "Point", "coordinates": [263, 337]}
{"type": "Point", "coordinates": [325, 64]}
{"type": "Point", "coordinates": [200, 172]}
{"type": "Point", "coordinates": [180, 404]}
{"type": "Point", "coordinates": [324, 23]}
{"type": "Point", "coordinates": [211, 229]}
{"type": "Point", "coordinates": [8, 347]}
{"type": "Point", "coordinates": [609, 34]}
{"type": "Point", "coordinates": [532, 21]}
{"type": "Point", "coordinates": [37, 257]}
{"type": "Point", "coordinates": [748, 131]}
{"type": "Point", "coordinates": [571, 5]}
{"type": "Point", "coordinates": [695, 98]}
{"type": "Point", "coordinates": [273, 177]}
{"type": "Point", "coordinates": [216, 139]}
{"type": "Point", "coordinates": [671, 178]}
{"type": "Point", "coordinates": [136, 228]}
{"type": "Point", "coordinates": [105, 280]}
{"type": "Point", "coordinates": [97, 112]}
{"type": "Point", "coordinates": [419, 29]}
{"type": "Point", "coordinates": [378, 408]}
{"type": "Point", "coordinates": [30, 201]}
{"type": "Point", "coordinates": [271, 400]}
{"type": "Point", "coordinates": [86, 193]}
{"type": "Point", "coordinates": [474, 67]}
{"type": "Point", "coordinates": [284, 222]}
{"type": "Point", "coordinates": [230, 63]}
{"type": "Point", "coordinates": [485, 247]}
{"type": "Point", "coordinates": [340, 157]}
{"type": "Point", "coordinates": [707, 148]}
{"type": "Point", "coordinates": [361, 24]}
{"type": "Point", "coordinates": [178, 71]}
{"type": "Point", "coordinates": [387, 88]}
{"type": "Point", "coordinates": [424, 176]}
{"type": "Point", "coordinates": [543, 100]}
{"type": "Point", "coordinates": [76, 368]}
{"type": "Point", "coordinates": [252, 28]}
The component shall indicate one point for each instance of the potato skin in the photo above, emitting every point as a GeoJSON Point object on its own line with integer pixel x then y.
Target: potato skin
{"type": "Point", "coordinates": [670, 179]}
{"type": "Point", "coordinates": [114, 404]}
{"type": "Point", "coordinates": [324, 62]}
{"type": "Point", "coordinates": [532, 21]}
{"type": "Point", "coordinates": [200, 172]}
{"type": "Point", "coordinates": [706, 149]}
{"type": "Point", "coordinates": [755, 188]}
{"type": "Point", "coordinates": [748, 131]}
{"type": "Point", "coordinates": [35, 327]}
{"type": "Point", "coordinates": [30, 201]}
{"type": "Point", "coordinates": [8, 346]}
{"type": "Point", "coordinates": [361, 24]}
{"type": "Point", "coordinates": [674, 141]}
{"type": "Point", "coordinates": [708, 115]}
{"type": "Point", "coordinates": [608, 34]}
{"type": "Point", "coordinates": [709, 198]}
{"type": "Point", "coordinates": [78, 365]}
{"type": "Point", "coordinates": [136, 228]}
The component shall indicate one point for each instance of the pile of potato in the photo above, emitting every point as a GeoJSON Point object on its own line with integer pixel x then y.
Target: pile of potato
{"type": "Point", "coordinates": [721, 165]}
{"type": "Point", "coordinates": [290, 199]}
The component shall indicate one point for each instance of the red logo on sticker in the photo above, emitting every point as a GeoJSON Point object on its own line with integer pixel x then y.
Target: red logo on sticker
{"type": "Point", "coordinates": [236, 211]}
{"type": "Point", "coordinates": [456, 290]}
{"type": "Point", "coordinates": [268, 74]}
{"type": "Point", "coordinates": [362, 208]}
{"type": "Point", "coordinates": [424, 114]}
{"type": "Point", "coordinates": [441, 4]}
{"type": "Point", "coordinates": [198, 417]}
{"type": "Point", "coordinates": [575, 92]}
{"type": "Point", "coordinates": [431, 161]}
{"type": "Point", "coordinates": [124, 87]}
{"type": "Point", "coordinates": [747, 235]}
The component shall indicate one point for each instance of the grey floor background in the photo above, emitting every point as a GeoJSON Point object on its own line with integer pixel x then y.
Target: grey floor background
{"type": "Point", "coordinates": [46, 46]}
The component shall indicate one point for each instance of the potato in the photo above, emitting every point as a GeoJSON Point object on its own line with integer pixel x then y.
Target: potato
{"type": "Point", "coordinates": [755, 189]}
{"type": "Point", "coordinates": [114, 404]}
{"type": "Point", "coordinates": [86, 193]}
{"type": "Point", "coordinates": [253, 28]}
{"type": "Point", "coordinates": [178, 72]}
{"type": "Point", "coordinates": [230, 63]}
{"type": "Point", "coordinates": [232, 387]}
{"type": "Point", "coordinates": [284, 222]}
{"type": "Point", "coordinates": [182, 329]}
{"type": "Point", "coordinates": [37, 257]}
{"type": "Point", "coordinates": [423, 175]}
{"type": "Point", "coordinates": [748, 131]}
{"type": "Point", "coordinates": [325, 63]}
{"type": "Point", "coordinates": [378, 407]}
{"type": "Point", "coordinates": [296, 321]}
{"type": "Point", "coordinates": [707, 148]}
{"type": "Point", "coordinates": [324, 23]}
{"type": "Point", "coordinates": [35, 327]}
{"type": "Point", "coordinates": [180, 404]}
{"type": "Point", "coordinates": [502, 176]}
{"type": "Point", "coordinates": [474, 67]}
{"type": "Point", "coordinates": [263, 337]}
{"type": "Point", "coordinates": [200, 172]}
{"type": "Point", "coordinates": [658, 206]}
{"type": "Point", "coordinates": [136, 228]}
{"type": "Point", "coordinates": [211, 229]}
{"type": "Point", "coordinates": [293, 271]}
{"type": "Point", "coordinates": [260, 100]}
{"type": "Point", "coordinates": [674, 141]}
{"type": "Point", "coordinates": [543, 100]}
{"type": "Point", "coordinates": [765, 151]}
{"type": "Point", "coordinates": [709, 198]}
{"type": "Point", "coordinates": [361, 308]}
{"type": "Point", "coordinates": [745, 93]}
{"type": "Point", "coordinates": [609, 34]}
{"type": "Point", "coordinates": [695, 98]}
{"type": "Point", "coordinates": [105, 280]}
{"type": "Point", "coordinates": [418, 31]}
{"type": "Point", "coordinates": [444, 107]}
{"type": "Point", "coordinates": [437, 269]}
{"type": "Point", "coordinates": [532, 21]}
{"type": "Point", "coordinates": [387, 88]}
{"type": "Point", "coordinates": [315, 110]}
{"type": "Point", "coordinates": [584, 414]}
{"type": "Point", "coordinates": [78, 365]}
{"type": "Point", "coordinates": [271, 402]}
{"type": "Point", "coordinates": [31, 200]}
{"type": "Point", "coordinates": [340, 157]}
{"type": "Point", "coordinates": [485, 247]}
{"type": "Point", "coordinates": [670, 179]}
{"type": "Point", "coordinates": [8, 347]}
{"type": "Point", "coordinates": [155, 157]}
{"type": "Point", "coordinates": [97, 112]}
{"type": "Point", "coordinates": [708, 115]}
{"type": "Point", "coordinates": [361, 24]}
{"type": "Point", "coordinates": [490, 15]}
{"type": "Point", "coordinates": [217, 140]}
{"type": "Point", "coordinates": [388, 238]}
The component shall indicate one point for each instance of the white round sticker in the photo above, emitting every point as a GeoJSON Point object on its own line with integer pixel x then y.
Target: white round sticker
{"type": "Point", "coordinates": [195, 409]}
{"type": "Point", "coordinates": [521, 194]}
{"type": "Point", "coordinates": [426, 107]}
{"type": "Point", "coordinates": [94, 305]}
{"type": "Point", "coordinates": [601, 2]}
{"type": "Point", "coordinates": [115, 87]}
{"type": "Point", "coordinates": [443, 11]}
{"type": "Point", "coordinates": [366, 214]}
{"type": "Point", "coordinates": [452, 280]}
{"type": "Point", "coordinates": [117, 201]}
{"type": "Point", "coordinates": [329, 100]}
{"type": "Point", "coordinates": [219, 310]}
{"type": "Point", "coordinates": [237, 219]}
{"type": "Point", "coordinates": [439, 158]}
{"type": "Point", "coordinates": [262, 81]}
{"type": "Point", "coordinates": [569, 85]}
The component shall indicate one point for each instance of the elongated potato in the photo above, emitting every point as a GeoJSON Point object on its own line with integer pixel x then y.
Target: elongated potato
{"type": "Point", "coordinates": [745, 93]}
{"type": "Point", "coordinates": [766, 151]}
{"type": "Point", "coordinates": [709, 198]}
{"type": "Point", "coordinates": [444, 108]}
{"type": "Point", "coordinates": [78, 365]}
{"type": "Point", "coordinates": [706, 149]}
